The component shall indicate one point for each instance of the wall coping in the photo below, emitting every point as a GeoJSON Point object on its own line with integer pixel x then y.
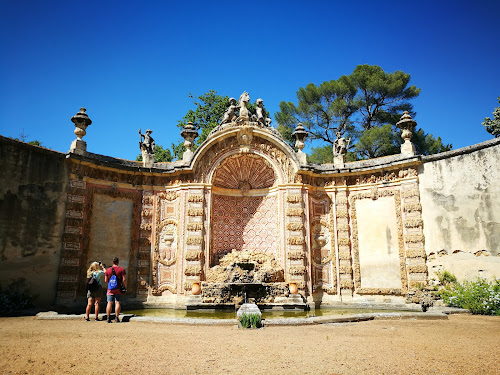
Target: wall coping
{"type": "Point", "coordinates": [462, 151]}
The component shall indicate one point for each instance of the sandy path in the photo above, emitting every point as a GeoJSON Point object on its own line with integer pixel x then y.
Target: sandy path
{"type": "Point", "coordinates": [463, 344]}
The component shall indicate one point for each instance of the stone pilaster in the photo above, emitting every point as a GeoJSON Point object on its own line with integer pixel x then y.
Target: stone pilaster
{"type": "Point", "coordinates": [414, 235]}
{"type": "Point", "coordinates": [71, 254]}
{"type": "Point", "coordinates": [193, 249]}
{"type": "Point", "coordinates": [344, 243]}
{"type": "Point", "coordinates": [144, 253]}
{"type": "Point", "coordinates": [295, 239]}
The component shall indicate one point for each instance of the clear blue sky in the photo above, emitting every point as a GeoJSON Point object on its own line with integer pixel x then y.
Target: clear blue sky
{"type": "Point", "coordinates": [132, 64]}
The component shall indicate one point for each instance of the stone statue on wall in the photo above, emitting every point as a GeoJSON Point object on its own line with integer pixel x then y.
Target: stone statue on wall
{"type": "Point", "coordinates": [340, 146]}
{"type": "Point", "coordinates": [148, 145]}
{"type": "Point", "coordinates": [259, 110]}
{"type": "Point", "coordinates": [229, 115]}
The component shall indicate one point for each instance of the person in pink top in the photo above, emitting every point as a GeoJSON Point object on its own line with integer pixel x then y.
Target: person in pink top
{"type": "Point", "coordinates": [114, 294]}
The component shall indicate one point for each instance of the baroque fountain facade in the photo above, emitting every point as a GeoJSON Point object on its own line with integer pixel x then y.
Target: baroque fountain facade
{"type": "Point", "coordinates": [246, 214]}
{"type": "Point", "coordinates": [246, 208]}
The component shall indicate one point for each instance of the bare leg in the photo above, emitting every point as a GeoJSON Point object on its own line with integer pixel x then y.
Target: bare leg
{"type": "Point", "coordinates": [96, 307]}
{"type": "Point", "coordinates": [109, 308]}
{"type": "Point", "coordinates": [89, 307]}
{"type": "Point", "coordinates": [117, 309]}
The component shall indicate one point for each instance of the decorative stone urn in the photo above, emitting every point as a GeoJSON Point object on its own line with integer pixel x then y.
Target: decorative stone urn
{"type": "Point", "coordinates": [300, 135]}
{"type": "Point", "coordinates": [189, 134]}
{"type": "Point", "coordinates": [407, 126]}
{"type": "Point", "coordinates": [293, 288]}
{"type": "Point", "coordinates": [81, 121]}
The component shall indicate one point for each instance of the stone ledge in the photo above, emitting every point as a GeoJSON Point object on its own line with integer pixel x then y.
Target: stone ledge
{"type": "Point", "coordinates": [51, 315]}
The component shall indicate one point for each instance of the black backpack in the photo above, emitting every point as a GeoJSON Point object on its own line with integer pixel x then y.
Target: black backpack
{"type": "Point", "coordinates": [92, 284]}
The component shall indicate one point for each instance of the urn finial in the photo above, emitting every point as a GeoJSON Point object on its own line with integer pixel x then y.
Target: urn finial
{"type": "Point", "coordinates": [189, 134]}
{"type": "Point", "coordinates": [407, 126]}
{"type": "Point", "coordinates": [300, 135]}
{"type": "Point", "coordinates": [81, 121]}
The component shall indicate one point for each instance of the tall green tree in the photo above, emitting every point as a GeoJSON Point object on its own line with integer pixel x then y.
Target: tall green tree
{"type": "Point", "coordinates": [208, 112]}
{"type": "Point", "coordinates": [382, 97]}
{"type": "Point", "coordinates": [375, 142]}
{"type": "Point", "coordinates": [364, 106]}
{"type": "Point", "coordinates": [493, 125]}
{"type": "Point", "coordinates": [321, 109]}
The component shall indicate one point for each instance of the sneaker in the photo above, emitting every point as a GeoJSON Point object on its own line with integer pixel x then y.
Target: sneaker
{"type": "Point", "coordinates": [96, 320]}
{"type": "Point", "coordinates": [117, 320]}
{"type": "Point", "coordinates": [87, 319]}
{"type": "Point", "coordinates": [109, 320]}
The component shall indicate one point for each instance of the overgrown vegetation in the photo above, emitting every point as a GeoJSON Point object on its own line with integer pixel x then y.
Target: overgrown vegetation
{"type": "Point", "coordinates": [250, 320]}
{"type": "Point", "coordinates": [480, 296]}
{"type": "Point", "coordinates": [15, 298]}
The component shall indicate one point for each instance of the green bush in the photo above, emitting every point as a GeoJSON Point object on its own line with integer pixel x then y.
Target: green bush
{"type": "Point", "coordinates": [15, 297]}
{"type": "Point", "coordinates": [479, 297]}
{"type": "Point", "coordinates": [250, 320]}
{"type": "Point", "coordinates": [446, 278]}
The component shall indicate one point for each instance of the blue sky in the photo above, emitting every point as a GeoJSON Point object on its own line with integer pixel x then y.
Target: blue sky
{"type": "Point", "coordinates": [132, 64]}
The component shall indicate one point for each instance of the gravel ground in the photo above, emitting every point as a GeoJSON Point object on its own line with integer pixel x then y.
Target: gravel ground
{"type": "Point", "coordinates": [464, 344]}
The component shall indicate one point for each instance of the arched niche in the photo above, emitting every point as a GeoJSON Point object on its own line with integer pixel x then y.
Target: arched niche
{"type": "Point", "coordinates": [245, 140]}
{"type": "Point", "coordinates": [244, 212]}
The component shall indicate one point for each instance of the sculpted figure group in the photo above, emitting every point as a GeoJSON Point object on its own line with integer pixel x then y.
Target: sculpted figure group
{"type": "Point", "coordinates": [259, 116]}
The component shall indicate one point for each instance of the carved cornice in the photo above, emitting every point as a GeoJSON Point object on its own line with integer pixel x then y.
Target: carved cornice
{"type": "Point", "coordinates": [136, 178]}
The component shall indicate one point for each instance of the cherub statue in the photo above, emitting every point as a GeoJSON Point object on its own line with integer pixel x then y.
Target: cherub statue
{"type": "Point", "coordinates": [148, 144]}
{"type": "Point", "coordinates": [261, 113]}
{"type": "Point", "coordinates": [229, 114]}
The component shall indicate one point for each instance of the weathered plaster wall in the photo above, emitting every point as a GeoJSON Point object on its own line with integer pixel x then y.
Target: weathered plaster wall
{"type": "Point", "coordinates": [33, 184]}
{"type": "Point", "coordinates": [111, 228]}
{"type": "Point", "coordinates": [460, 197]}
{"type": "Point", "coordinates": [378, 243]}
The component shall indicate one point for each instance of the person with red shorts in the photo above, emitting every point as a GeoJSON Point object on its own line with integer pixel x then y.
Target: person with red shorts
{"type": "Point", "coordinates": [114, 295]}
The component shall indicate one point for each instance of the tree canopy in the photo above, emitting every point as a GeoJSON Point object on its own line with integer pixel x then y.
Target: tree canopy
{"type": "Point", "coordinates": [364, 106]}
{"type": "Point", "coordinates": [210, 108]}
{"type": "Point", "coordinates": [493, 125]}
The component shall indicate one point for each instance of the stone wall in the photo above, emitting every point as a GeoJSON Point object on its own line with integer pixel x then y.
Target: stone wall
{"type": "Point", "coordinates": [356, 232]}
{"type": "Point", "coordinates": [460, 196]}
{"type": "Point", "coordinates": [32, 208]}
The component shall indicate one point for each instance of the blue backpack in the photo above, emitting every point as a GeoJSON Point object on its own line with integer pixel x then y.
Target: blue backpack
{"type": "Point", "coordinates": [113, 281]}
